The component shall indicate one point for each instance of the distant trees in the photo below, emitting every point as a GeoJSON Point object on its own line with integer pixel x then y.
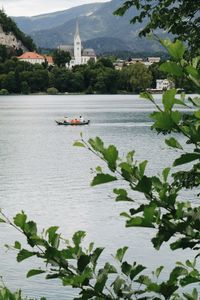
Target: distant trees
{"type": "Point", "coordinates": [61, 58]}
{"type": "Point", "coordinates": [135, 78]}
{"type": "Point", "coordinates": [100, 77]}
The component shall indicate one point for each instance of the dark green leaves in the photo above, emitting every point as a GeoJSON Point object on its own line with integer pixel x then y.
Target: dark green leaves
{"type": "Point", "coordinates": [102, 178]}
{"type": "Point", "coordinates": [172, 142]}
{"type": "Point", "coordinates": [24, 254]}
{"type": "Point", "coordinates": [34, 272]}
{"type": "Point", "coordinates": [186, 158]}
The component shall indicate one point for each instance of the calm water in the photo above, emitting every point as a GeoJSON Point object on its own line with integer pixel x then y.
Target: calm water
{"type": "Point", "coordinates": [44, 175]}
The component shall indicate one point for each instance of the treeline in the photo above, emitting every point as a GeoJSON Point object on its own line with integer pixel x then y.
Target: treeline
{"type": "Point", "coordinates": [8, 25]}
{"type": "Point", "coordinates": [100, 77]}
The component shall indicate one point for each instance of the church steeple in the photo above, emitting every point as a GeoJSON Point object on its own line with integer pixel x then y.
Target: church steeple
{"type": "Point", "coordinates": [77, 45]}
{"type": "Point", "coordinates": [77, 30]}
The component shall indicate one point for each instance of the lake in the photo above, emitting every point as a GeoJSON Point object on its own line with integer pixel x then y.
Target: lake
{"type": "Point", "coordinates": [43, 174]}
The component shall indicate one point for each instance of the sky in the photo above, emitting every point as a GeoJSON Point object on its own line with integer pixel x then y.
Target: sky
{"type": "Point", "coordinates": [37, 7]}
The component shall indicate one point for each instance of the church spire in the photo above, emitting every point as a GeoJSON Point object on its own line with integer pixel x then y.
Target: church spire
{"type": "Point", "coordinates": [77, 30]}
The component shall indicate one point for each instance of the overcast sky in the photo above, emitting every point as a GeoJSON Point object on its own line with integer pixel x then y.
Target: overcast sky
{"type": "Point", "coordinates": [37, 7]}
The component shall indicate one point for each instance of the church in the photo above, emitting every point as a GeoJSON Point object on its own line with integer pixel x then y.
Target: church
{"type": "Point", "coordinates": [80, 56]}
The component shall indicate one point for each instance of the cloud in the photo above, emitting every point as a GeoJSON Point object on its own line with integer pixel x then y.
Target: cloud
{"type": "Point", "coordinates": [37, 7]}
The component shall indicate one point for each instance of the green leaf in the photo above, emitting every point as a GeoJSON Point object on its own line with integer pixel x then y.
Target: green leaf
{"type": "Point", "coordinates": [83, 261]}
{"type": "Point", "coordinates": [176, 49]}
{"type": "Point", "coordinates": [101, 280]}
{"type": "Point", "coordinates": [2, 221]}
{"type": "Point", "coordinates": [111, 155]}
{"type": "Point", "coordinates": [144, 185]}
{"type": "Point", "coordinates": [120, 253]}
{"type": "Point", "coordinates": [158, 271]}
{"type": "Point", "coordinates": [165, 174]}
{"type": "Point", "coordinates": [34, 272]}
{"type": "Point", "coordinates": [186, 158]}
{"type": "Point", "coordinates": [95, 255]}
{"type": "Point", "coordinates": [171, 68]}
{"type": "Point", "coordinates": [102, 178]}
{"type": "Point", "coordinates": [20, 220]}
{"type": "Point", "coordinates": [122, 195]}
{"type": "Point", "coordinates": [78, 237]}
{"type": "Point", "coordinates": [78, 144]}
{"type": "Point", "coordinates": [172, 142]}
{"type": "Point", "coordinates": [117, 284]}
{"type": "Point", "coordinates": [142, 167]}
{"type": "Point", "coordinates": [168, 99]}
{"type": "Point", "coordinates": [24, 254]}
{"type": "Point", "coordinates": [17, 245]}
{"type": "Point", "coordinates": [136, 270]}
{"type": "Point", "coordinates": [97, 144]}
{"type": "Point", "coordinates": [147, 96]}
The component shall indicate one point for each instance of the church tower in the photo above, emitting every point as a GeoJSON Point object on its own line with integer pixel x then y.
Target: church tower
{"type": "Point", "coordinates": [77, 46]}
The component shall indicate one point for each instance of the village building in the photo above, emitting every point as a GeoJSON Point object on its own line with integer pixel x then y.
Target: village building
{"type": "Point", "coordinates": [80, 56]}
{"type": "Point", "coordinates": [35, 58]}
{"type": "Point", "coordinates": [164, 84]}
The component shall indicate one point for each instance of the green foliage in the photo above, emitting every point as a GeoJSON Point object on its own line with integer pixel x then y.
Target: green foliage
{"type": "Point", "coordinates": [61, 58]}
{"type": "Point", "coordinates": [52, 91]}
{"type": "Point", "coordinates": [4, 92]}
{"type": "Point", "coordinates": [173, 220]}
{"type": "Point", "coordinates": [181, 18]}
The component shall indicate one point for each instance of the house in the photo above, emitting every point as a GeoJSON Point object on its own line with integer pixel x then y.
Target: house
{"type": "Point", "coordinates": [35, 58]}
{"type": "Point", "coordinates": [164, 84]}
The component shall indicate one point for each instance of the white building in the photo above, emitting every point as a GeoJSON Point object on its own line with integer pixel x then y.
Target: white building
{"type": "Point", "coordinates": [163, 84]}
{"type": "Point", "coordinates": [81, 57]}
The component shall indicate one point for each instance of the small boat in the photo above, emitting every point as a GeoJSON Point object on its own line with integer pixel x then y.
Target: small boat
{"type": "Point", "coordinates": [86, 122]}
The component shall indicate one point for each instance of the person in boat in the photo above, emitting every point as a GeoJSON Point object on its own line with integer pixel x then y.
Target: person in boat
{"type": "Point", "coordinates": [66, 119]}
{"type": "Point", "coordinates": [81, 119]}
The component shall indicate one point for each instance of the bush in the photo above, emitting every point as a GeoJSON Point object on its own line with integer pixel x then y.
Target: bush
{"type": "Point", "coordinates": [4, 92]}
{"type": "Point", "coordinates": [52, 91]}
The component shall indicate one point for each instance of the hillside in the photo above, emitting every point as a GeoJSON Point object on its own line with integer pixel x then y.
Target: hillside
{"type": "Point", "coordinates": [12, 36]}
{"type": "Point", "coordinates": [99, 28]}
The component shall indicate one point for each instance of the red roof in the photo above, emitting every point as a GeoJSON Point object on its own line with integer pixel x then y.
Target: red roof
{"type": "Point", "coordinates": [30, 55]}
{"type": "Point", "coordinates": [49, 59]}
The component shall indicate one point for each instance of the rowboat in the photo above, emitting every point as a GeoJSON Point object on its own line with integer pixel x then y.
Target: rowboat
{"type": "Point", "coordinates": [72, 123]}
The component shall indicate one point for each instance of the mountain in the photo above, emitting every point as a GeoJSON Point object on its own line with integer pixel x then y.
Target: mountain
{"type": "Point", "coordinates": [11, 36]}
{"type": "Point", "coordinates": [99, 28]}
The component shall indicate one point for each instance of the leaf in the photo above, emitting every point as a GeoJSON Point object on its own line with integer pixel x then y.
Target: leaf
{"type": "Point", "coordinates": [120, 253]}
{"type": "Point", "coordinates": [20, 220]}
{"type": "Point", "coordinates": [142, 167]}
{"type": "Point", "coordinates": [17, 245]}
{"type": "Point", "coordinates": [34, 272]}
{"type": "Point", "coordinates": [144, 185]}
{"type": "Point", "coordinates": [24, 254]}
{"type": "Point", "coordinates": [78, 144]}
{"type": "Point", "coordinates": [165, 174]}
{"type": "Point", "coordinates": [78, 237]}
{"type": "Point", "coordinates": [111, 155]}
{"type": "Point", "coordinates": [171, 68]}
{"type": "Point", "coordinates": [136, 270]}
{"type": "Point", "coordinates": [176, 49]}
{"type": "Point", "coordinates": [147, 96]}
{"type": "Point", "coordinates": [83, 261]}
{"type": "Point", "coordinates": [122, 195]}
{"type": "Point", "coordinates": [168, 99]}
{"type": "Point", "coordinates": [2, 221]}
{"type": "Point", "coordinates": [102, 178]}
{"type": "Point", "coordinates": [95, 255]}
{"type": "Point", "coordinates": [158, 271]}
{"type": "Point", "coordinates": [186, 158]}
{"type": "Point", "coordinates": [172, 142]}
{"type": "Point", "coordinates": [117, 284]}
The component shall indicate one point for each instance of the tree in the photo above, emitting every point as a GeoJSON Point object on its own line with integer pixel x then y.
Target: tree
{"type": "Point", "coordinates": [172, 219]}
{"type": "Point", "coordinates": [61, 58]}
{"type": "Point", "coordinates": [136, 78]}
{"type": "Point", "coordinates": [181, 18]}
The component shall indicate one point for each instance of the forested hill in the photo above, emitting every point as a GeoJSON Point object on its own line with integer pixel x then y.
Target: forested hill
{"type": "Point", "coordinates": [99, 28]}
{"type": "Point", "coordinates": [9, 27]}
